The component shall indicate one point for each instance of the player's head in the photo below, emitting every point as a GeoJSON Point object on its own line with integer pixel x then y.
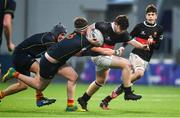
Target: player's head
{"type": "Point", "coordinates": [121, 23]}
{"type": "Point", "coordinates": [80, 24]}
{"type": "Point", "coordinates": [59, 31]}
{"type": "Point", "coordinates": [151, 13]}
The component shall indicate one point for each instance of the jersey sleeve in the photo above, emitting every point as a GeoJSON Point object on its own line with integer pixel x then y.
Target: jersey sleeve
{"type": "Point", "coordinates": [126, 37]}
{"type": "Point", "coordinates": [135, 31]}
{"type": "Point", "coordinates": [158, 39]}
{"type": "Point", "coordinates": [10, 7]}
{"type": "Point", "coordinates": [102, 26]}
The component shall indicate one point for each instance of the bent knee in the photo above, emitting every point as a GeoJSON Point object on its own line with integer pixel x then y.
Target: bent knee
{"type": "Point", "coordinates": [101, 81]}
{"type": "Point", "coordinates": [73, 77]}
{"type": "Point", "coordinates": [139, 73]}
{"type": "Point", "coordinates": [22, 86]}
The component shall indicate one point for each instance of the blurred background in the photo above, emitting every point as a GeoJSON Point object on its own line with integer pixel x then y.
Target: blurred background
{"type": "Point", "coordinates": [34, 16]}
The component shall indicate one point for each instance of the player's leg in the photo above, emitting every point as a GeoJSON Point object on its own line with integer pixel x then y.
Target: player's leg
{"type": "Point", "coordinates": [22, 63]}
{"type": "Point", "coordinates": [47, 72]}
{"type": "Point", "coordinates": [93, 88]}
{"type": "Point", "coordinates": [138, 68]}
{"type": "Point", "coordinates": [70, 74]}
{"type": "Point", "coordinates": [102, 70]}
{"type": "Point", "coordinates": [124, 65]}
{"type": "Point", "coordinates": [12, 89]}
{"type": "Point", "coordinates": [40, 99]}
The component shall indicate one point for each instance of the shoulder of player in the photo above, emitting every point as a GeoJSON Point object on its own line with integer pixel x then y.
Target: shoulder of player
{"type": "Point", "coordinates": [160, 27]}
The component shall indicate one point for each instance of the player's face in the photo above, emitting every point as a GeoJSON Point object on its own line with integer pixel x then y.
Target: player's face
{"type": "Point", "coordinates": [61, 36]}
{"type": "Point", "coordinates": [151, 17]}
{"type": "Point", "coordinates": [118, 30]}
{"type": "Point", "coordinates": [83, 31]}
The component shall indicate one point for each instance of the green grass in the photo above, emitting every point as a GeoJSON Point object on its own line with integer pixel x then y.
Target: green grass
{"type": "Point", "coordinates": [157, 101]}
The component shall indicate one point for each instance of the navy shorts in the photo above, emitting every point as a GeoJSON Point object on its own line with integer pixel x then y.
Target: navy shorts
{"type": "Point", "coordinates": [48, 69]}
{"type": "Point", "coordinates": [22, 62]}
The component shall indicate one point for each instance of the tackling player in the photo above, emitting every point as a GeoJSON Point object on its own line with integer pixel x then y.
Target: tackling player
{"type": "Point", "coordinates": [24, 60]}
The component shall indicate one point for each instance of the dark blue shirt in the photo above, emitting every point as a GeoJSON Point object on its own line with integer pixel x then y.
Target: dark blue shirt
{"type": "Point", "coordinates": [68, 47]}
{"type": "Point", "coordinates": [36, 44]}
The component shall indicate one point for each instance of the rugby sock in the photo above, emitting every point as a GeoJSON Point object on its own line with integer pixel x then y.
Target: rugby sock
{"type": "Point", "coordinates": [107, 98]}
{"type": "Point", "coordinates": [93, 87]}
{"type": "Point", "coordinates": [114, 93]}
{"type": "Point", "coordinates": [86, 97]}
{"type": "Point", "coordinates": [16, 74]}
{"type": "Point", "coordinates": [1, 94]}
{"type": "Point", "coordinates": [127, 90]}
{"type": "Point", "coordinates": [70, 102]}
{"type": "Point", "coordinates": [39, 95]}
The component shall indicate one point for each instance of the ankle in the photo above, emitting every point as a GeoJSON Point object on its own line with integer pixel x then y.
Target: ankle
{"type": "Point", "coordinates": [39, 95]}
{"type": "Point", "coordinates": [70, 102]}
{"type": "Point", "coordinates": [16, 74]}
{"type": "Point", "coordinates": [2, 94]}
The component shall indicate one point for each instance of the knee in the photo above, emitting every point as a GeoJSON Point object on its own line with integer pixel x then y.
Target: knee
{"type": "Point", "coordinates": [73, 78]}
{"type": "Point", "coordinates": [139, 73]}
{"type": "Point", "coordinates": [40, 88]}
{"type": "Point", "coordinates": [101, 82]}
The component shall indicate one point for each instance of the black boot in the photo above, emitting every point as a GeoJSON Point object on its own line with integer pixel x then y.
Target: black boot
{"type": "Point", "coordinates": [129, 95]}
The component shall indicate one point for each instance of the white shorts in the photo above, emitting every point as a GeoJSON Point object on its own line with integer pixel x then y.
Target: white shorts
{"type": "Point", "coordinates": [102, 62]}
{"type": "Point", "coordinates": [137, 62]}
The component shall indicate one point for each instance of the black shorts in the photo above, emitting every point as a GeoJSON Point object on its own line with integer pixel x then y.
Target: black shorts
{"type": "Point", "coordinates": [22, 62]}
{"type": "Point", "coordinates": [48, 69]}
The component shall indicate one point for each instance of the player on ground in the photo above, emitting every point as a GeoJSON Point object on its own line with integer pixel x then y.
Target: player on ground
{"type": "Point", "coordinates": [147, 32]}
{"type": "Point", "coordinates": [114, 32]}
{"type": "Point", "coordinates": [24, 60]}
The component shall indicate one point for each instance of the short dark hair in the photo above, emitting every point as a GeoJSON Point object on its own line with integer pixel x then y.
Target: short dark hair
{"type": "Point", "coordinates": [122, 21]}
{"type": "Point", "coordinates": [80, 23]}
{"type": "Point", "coordinates": [151, 8]}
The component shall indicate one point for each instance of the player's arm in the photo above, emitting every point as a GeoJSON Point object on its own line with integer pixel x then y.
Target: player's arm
{"type": "Point", "coordinates": [103, 51]}
{"type": "Point", "coordinates": [137, 44]}
{"type": "Point", "coordinates": [7, 23]}
{"type": "Point", "coordinates": [158, 41]}
{"type": "Point", "coordinates": [134, 33]}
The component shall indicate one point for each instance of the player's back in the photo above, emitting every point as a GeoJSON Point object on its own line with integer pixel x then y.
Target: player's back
{"type": "Point", "coordinates": [69, 46]}
{"type": "Point", "coordinates": [36, 44]}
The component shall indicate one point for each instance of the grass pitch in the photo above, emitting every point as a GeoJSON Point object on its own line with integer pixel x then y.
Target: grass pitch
{"type": "Point", "coordinates": [157, 101]}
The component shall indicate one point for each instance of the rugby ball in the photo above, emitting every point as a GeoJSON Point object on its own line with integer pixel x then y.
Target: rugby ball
{"type": "Point", "coordinates": [95, 37]}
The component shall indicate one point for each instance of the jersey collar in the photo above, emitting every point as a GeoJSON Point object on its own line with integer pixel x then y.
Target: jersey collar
{"type": "Point", "coordinates": [149, 25]}
{"type": "Point", "coordinates": [112, 25]}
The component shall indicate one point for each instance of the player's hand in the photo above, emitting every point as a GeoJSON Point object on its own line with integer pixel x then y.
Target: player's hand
{"type": "Point", "coordinates": [119, 51]}
{"type": "Point", "coordinates": [11, 47]}
{"type": "Point", "coordinates": [150, 40]}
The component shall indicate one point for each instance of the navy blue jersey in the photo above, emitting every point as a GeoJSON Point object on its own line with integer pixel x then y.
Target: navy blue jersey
{"type": "Point", "coordinates": [110, 37]}
{"type": "Point", "coordinates": [68, 47]}
{"type": "Point", "coordinates": [6, 7]}
{"type": "Point", "coordinates": [141, 32]}
{"type": "Point", "coordinates": [36, 44]}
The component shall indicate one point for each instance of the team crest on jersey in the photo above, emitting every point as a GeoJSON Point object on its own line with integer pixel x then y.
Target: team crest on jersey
{"type": "Point", "coordinates": [143, 33]}
{"type": "Point", "coordinates": [155, 34]}
{"type": "Point", "coordinates": [107, 38]}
